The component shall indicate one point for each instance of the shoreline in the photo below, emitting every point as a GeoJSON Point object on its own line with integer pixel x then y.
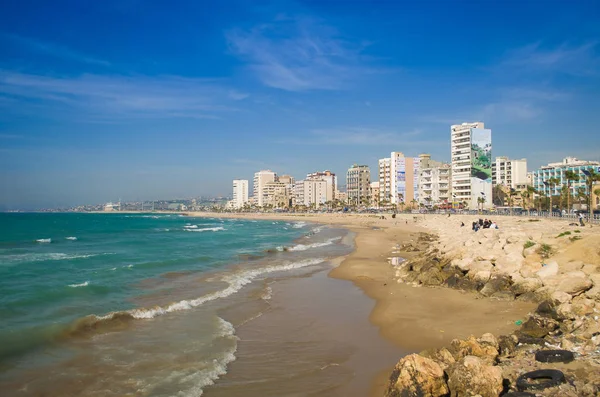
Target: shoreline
{"type": "Point", "coordinates": [412, 319]}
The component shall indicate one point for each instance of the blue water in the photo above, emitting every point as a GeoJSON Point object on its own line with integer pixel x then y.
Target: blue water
{"type": "Point", "coordinates": [57, 268]}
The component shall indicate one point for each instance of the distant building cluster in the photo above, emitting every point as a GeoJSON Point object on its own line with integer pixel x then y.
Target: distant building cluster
{"type": "Point", "coordinates": [472, 180]}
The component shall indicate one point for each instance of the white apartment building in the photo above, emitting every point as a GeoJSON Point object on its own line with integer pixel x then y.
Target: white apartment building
{"type": "Point", "coordinates": [510, 173]}
{"type": "Point", "coordinates": [471, 151]}
{"type": "Point", "coordinates": [543, 177]}
{"type": "Point", "coordinates": [276, 194]}
{"type": "Point", "coordinates": [240, 193]}
{"type": "Point", "coordinates": [358, 184]}
{"type": "Point", "coordinates": [260, 179]}
{"type": "Point", "coordinates": [298, 193]}
{"type": "Point", "coordinates": [435, 182]}
{"type": "Point", "coordinates": [328, 177]}
{"type": "Point", "coordinates": [315, 193]}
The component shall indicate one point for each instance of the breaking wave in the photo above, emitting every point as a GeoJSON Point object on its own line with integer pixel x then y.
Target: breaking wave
{"type": "Point", "coordinates": [71, 238]}
{"type": "Point", "coordinates": [84, 284]}
{"type": "Point", "coordinates": [304, 247]}
{"type": "Point", "coordinates": [206, 229]}
{"type": "Point", "coordinates": [44, 240]}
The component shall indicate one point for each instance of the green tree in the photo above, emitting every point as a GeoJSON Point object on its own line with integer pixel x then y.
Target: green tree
{"type": "Point", "coordinates": [570, 176]}
{"type": "Point", "coordinates": [552, 182]}
{"type": "Point", "coordinates": [591, 177]}
{"type": "Point", "coordinates": [480, 202]}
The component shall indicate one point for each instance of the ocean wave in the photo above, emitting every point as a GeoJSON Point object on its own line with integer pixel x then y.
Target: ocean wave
{"type": "Point", "coordinates": [304, 247]}
{"type": "Point", "coordinates": [191, 226]}
{"type": "Point", "coordinates": [71, 238]}
{"type": "Point", "coordinates": [267, 294]}
{"type": "Point", "coordinates": [52, 256]}
{"type": "Point", "coordinates": [84, 284]}
{"type": "Point", "coordinates": [236, 282]}
{"type": "Point", "coordinates": [44, 240]}
{"type": "Point", "coordinates": [206, 229]}
{"type": "Point", "coordinates": [299, 225]}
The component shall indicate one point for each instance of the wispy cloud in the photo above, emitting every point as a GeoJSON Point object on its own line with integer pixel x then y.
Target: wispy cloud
{"type": "Point", "coordinates": [118, 96]}
{"type": "Point", "coordinates": [55, 50]}
{"type": "Point", "coordinates": [298, 54]}
{"type": "Point", "coordinates": [577, 60]}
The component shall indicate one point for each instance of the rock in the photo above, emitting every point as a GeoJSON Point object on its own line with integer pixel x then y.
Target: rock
{"type": "Point", "coordinates": [594, 292]}
{"type": "Point", "coordinates": [471, 376]}
{"type": "Point", "coordinates": [551, 269]}
{"type": "Point", "coordinates": [507, 345]}
{"type": "Point", "coordinates": [482, 275]}
{"type": "Point", "coordinates": [416, 376]}
{"type": "Point", "coordinates": [575, 283]}
{"type": "Point", "coordinates": [583, 307]}
{"type": "Point", "coordinates": [590, 269]}
{"type": "Point", "coordinates": [503, 295]}
{"type": "Point", "coordinates": [524, 285]}
{"type": "Point", "coordinates": [508, 264]}
{"type": "Point", "coordinates": [489, 339]}
{"type": "Point", "coordinates": [472, 347]}
{"type": "Point", "coordinates": [496, 284]}
{"type": "Point", "coordinates": [538, 327]}
{"type": "Point", "coordinates": [565, 312]}
{"type": "Point", "coordinates": [530, 251]}
{"type": "Point", "coordinates": [441, 356]}
{"type": "Point", "coordinates": [560, 297]}
{"type": "Point", "coordinates": [431, 277]}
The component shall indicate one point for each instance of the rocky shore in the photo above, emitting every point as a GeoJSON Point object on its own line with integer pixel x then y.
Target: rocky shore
{"type": "Point", "coordinates": [554, 263]}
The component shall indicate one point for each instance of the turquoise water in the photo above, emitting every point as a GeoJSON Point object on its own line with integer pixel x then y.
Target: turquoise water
{"type": "Point", "coordinates": [83, 295]}
{"type": "Point", "coordinates": [55, 268]}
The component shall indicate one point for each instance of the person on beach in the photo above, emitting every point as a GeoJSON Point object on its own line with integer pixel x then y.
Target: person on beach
{"type": "Point", "coordinates": [493, 225]}
{"type": "Point", "coordinates": [462, 224]}
{"type": "Point", "coordinates": [581, 219]}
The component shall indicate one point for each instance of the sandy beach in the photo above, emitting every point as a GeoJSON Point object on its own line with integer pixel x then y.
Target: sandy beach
{"type": "Point", "coordinates": [414, 319]}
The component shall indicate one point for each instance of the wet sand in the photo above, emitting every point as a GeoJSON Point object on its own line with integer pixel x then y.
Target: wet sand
{"type": "Point", "coordinates": [412, 319]}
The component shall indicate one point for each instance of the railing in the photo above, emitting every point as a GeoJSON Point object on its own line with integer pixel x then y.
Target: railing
{"type": "Point", "coordinates": [532, 214]}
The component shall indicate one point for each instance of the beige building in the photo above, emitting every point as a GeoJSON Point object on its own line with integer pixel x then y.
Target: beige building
{"type": "Point", "coordinates": [341, 196]}
{"type": "Point", "coordinates": [398, 178]}
{"type": "Point", "coordinates": [276, 194]}
{"type": "Point", "coordinates": [261, 178]}
{"type": "Point", "coordinates": [328, 177]}
{"type": "Point", "coordinates": [310, 193]}
{"type": "Point", "coordinates": [511, 173]}
{"type": "Point", "coordinates": [595, 197]}
{"type": "Point", "coordinates": [374, 194]}
{"type": "Point", "coordinates": [240, 193]}
{"type": "Point", "coordinates": [434, 182]}
{"type": "Point", "coordinates": [358, 184]}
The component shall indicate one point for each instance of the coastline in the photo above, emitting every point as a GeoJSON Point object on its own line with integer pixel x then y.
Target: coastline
{"type": "Point", "coordinates": [412, 319]}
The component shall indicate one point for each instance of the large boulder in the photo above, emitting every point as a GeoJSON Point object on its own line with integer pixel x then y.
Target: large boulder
{"type": "Point", "coordinates": [548, 270]}
{"type": "Point", "coordinates": [594, 292]}
{"type": "Point", "coordinates": [498, 283]}
{"type": "Point", "coordinates": [471, 376]}
{"type": "Point", "coordinates": [538, 327]}
{"type": "Point", "coordinates": [523, 285]}
{"type": "Point", "coordinates": [483, 348]}
{"type": "Point", "coordinates": [575, 283]}
{"type": "Point", "coordinates": [510, 263]}
{"type": "Point", "coordinates": [416, 376]}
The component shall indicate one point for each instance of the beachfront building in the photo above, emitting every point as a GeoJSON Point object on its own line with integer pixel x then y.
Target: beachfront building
{"type": "Point", "coordinates": [374, 194]}
{"type": "Point", "coordinates": [358, 184]}
{"type": "Point", "coordinates": [510, 173]}
{"type": "Point", "coordinates": [544, 177]}
{"type": "Point", "coordinates": [398, 179]}
{"type": "Point", "coordinates": [261, 178]}
{"type": "Point", "coordinates": [240, 193]}
{"type": "Point", "coordinates": [342, 197]}
{"type": "Point", "coordinates": [276, 195]}
{"type": "Point", "coordinates": [315, 193]}
{"type": "Point", "coordinates": [328, 177]}
{"type": "Point", "coordinates": [471, 154]}
{"type": "Point", "coordinates": [434, 183]}
{"type": "Point", "coordinates": [595, 197]}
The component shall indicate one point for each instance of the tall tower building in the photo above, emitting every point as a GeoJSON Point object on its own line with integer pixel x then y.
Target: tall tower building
{"type": "Point", "coordinates": [261, 178]}
{"type": "Point", "coordinates": [328, 177]}
{"type": "Point", "coordinates": [398, 178]}
{"type": "Point", "coordinates": [240, 193]}
{"type": "Point", "coordinates": [471, 154]}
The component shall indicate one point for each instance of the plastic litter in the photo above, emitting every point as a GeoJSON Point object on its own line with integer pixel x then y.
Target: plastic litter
{"type": "Point", "coordinates": [518, 322]}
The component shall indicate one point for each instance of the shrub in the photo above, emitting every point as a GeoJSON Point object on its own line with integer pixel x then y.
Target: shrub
{"type": "Point", "coordinates": [563, 234]}
{"type": "Point", "coordinates": [528, 244]}
{"type": "Point", "coordinates": [575, 238]}
{"type": "Point", "coordinates": [545, 250]}
{"type": "Point", "coordinates": [577, 231]}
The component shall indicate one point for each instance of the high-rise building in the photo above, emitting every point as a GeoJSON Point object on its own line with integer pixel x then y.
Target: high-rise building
{"type": "Point", "coordinates": [276, 194]}
{"type": "Point", "coordinates": [510, 173]}
{"type": "Point", "coordinates": [398, 178]}
{"type": "Point", "coordinates": [358, 184]}
{"type": "Point", "coordinates": [374, 194]}
{"type": "Point", "coordinates": [260, 179]}
{"type": "Point", "coordinates": [315, 193]}
{"type": "Point", "coordinates": [240, 193]}
{"type": "Point", "coordinates": [435, 183]}
{"type": "Point", "coordinates": [328, 177]}
{"type": "Point", "coordinates": [471, 154]}
{"type": "Point", "coordinates": [543, 177]}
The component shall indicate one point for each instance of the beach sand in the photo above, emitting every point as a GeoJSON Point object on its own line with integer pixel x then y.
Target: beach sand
{"type": "Point", "coordinates": [413, 319]}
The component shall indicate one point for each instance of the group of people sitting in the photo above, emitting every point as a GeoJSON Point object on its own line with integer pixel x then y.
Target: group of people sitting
{"type": "Point", "coordinates": [484, 224]}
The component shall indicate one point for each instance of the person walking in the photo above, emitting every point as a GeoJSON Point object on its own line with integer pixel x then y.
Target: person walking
{"type": "Point", "coordinates": [581, 219]}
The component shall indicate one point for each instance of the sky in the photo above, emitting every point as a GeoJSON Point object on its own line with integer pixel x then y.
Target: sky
{"type": "Point", "coordinates": [146, 100]}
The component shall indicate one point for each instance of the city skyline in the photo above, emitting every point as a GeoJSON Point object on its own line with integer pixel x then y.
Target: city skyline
{"type": "Point", "coordinates": [147, 100]}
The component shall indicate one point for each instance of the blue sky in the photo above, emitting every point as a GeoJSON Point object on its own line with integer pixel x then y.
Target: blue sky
{"type": "Point", "coordinates": [154, 99]}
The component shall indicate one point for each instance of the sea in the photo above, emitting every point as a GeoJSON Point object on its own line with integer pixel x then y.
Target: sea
{"type": "Point", "coordinates": [171, 305]}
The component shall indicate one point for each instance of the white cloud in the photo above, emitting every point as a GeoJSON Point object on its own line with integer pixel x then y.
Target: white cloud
{"type": "Point", "coordinates": [297, 54]}
{"type": "Point", "coordinates": [117, 96]}
{"type": "Point", "coordinates": [55, 50]}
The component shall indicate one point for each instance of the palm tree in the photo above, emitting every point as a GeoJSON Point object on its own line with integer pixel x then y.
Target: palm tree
{"type": "Point", "coordinates": [552, 182]}
{"type": "Point", "coordinates": [570, 176]}
{"type": "Point", "coordinates": [480, 201]}
{"type": "Point", "coordinates": [591, 177]}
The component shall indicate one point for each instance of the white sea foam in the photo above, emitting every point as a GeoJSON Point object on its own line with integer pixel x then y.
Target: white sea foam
{"type": "Point", "coordinates": [129, 266]}
{"type": "Point", "coordinates": [51, 256]}
{"type": "Point", "coordinates": [44, 240]}
{"type": "Point", "coordinates": [206, 229]}
{"type": "Point", "coordinates": [304, 247]}
{"type": "Point", "coordinates": [236, 282]}
{"type": "Point", "coordinates": [188, 226]}
{"type": "Point", "coordinates": [317, 229]}
{"type": "Point", "coordinates": [299, 225]}
{"type": "Point", "coordinates": [85, 284]}
{"type": "Point", "coordinates": [267, 294]}
{"type": "Point", "coordinates": [71, 238]}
